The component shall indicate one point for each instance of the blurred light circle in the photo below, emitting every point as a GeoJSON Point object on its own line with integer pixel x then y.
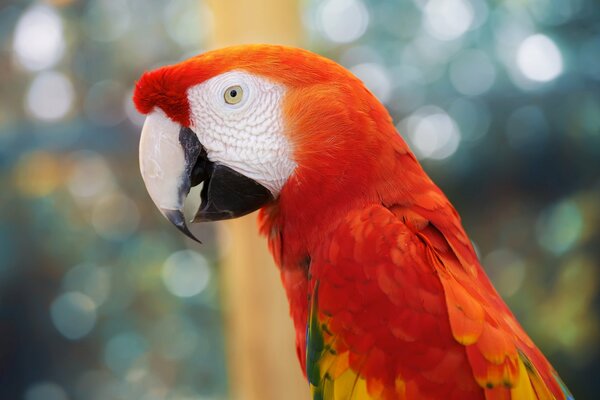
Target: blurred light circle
{"type": "Point", "coordinates": [539, 59]}
{"type": "Point", "coordinates": [510, 29]}
{"type": "Point", "coordinates": [102, 103]}
{"type": "Point", "coordinates": [506, 269]}
{"type": "Point", "coordinates": [343, 21]}
{"type": "Point", "coordinates": [45, 391]}
{"type": "Point", "coordinates": [472, 72]}
{"type": "Point", "coordinates": [38, 40]}
{"type": "Point", "coordinates": [89, 279]}
{"type": "Point", "coordinates": [188, 21]}
{"type": "Point", "coordinates": [90, 176]}
{"type": "Point", "coordinates": [473, 118]}
{"type": "Point", "coordinates": [376, 79]}
{"type": "Point", "coordinates": [73, 315]}
{"type": "Point", "coordinates": [107, 20]}
{"type": "Point", "coordinates": [38, 173]}
{"type": "Point", "coordinates": [115, 216]}
{"type": "Point", "coordinates": [527, 128]}
{"type": "Point", "coordinates": [560, 227]}
{"type": "Point", "coordinates": [432, 133]}
{"type": "Point", "coordinates": [448, 19]}
{"type": "Point", "coordinates": [123, 350]}
{"type": "Point", "coordinates": [50, 96]}
{"type": "Point", "coordinates": [186, 273]}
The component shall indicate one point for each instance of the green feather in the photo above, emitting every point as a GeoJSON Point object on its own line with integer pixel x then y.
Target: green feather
{"type": "Point", "coordinates": [315, 345]}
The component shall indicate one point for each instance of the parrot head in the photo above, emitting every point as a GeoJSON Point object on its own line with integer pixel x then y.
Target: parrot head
{"type": "Point", "coordinates": [254, 123]}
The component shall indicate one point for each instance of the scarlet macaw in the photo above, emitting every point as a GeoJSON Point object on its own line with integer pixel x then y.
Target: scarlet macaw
{"type": "Point", "coordinates": [388, 298]}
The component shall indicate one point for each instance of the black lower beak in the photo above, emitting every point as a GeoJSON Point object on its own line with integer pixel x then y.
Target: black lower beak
{"type": "Point", "coordinates": [226, 193]}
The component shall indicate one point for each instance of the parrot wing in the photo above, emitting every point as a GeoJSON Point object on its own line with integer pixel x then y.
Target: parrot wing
{"type": "Point", "coordinates": [397, 314]}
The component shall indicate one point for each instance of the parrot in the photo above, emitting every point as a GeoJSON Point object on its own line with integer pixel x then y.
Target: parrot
{"type": "Point", "coordinates": [387, 295]}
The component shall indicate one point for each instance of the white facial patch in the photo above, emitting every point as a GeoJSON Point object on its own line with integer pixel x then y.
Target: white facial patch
{"type": "Point", "coordinates": [247, 136]}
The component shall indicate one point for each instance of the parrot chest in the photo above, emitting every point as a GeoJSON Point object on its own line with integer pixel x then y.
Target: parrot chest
{"type": "Point", "coordinates": [369, 312]}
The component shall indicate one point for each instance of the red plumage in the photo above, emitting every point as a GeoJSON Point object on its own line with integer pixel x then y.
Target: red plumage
{"type": "Point", "coordinates": [386, 292]}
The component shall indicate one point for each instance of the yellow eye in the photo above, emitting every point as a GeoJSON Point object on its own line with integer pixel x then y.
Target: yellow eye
{"type": "Point", "coordinates": [234, 94]}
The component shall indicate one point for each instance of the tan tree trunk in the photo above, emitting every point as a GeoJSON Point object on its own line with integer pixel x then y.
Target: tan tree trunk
{"type": "Point", "coordinates": [260, 339]}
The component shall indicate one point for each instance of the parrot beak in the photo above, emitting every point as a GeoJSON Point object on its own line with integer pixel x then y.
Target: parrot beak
{"type": "Point", "coordinates": [172, 160]}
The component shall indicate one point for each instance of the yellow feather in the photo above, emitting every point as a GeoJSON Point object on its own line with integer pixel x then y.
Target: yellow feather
{"type": "Point", "coordinates": [522, 390]}
{"type": "Point", "coordinates": [346, 386]}
{"type": "Point", "coordinates": [327, 362]}
{"type": "Point", "coordinates": [540, 388]}
{"type": "Point", "coordinates": [342, 385]}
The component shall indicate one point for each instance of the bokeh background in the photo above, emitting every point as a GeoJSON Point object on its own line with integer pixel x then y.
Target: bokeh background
{"type": "Point", "coordinates": [101, 299]}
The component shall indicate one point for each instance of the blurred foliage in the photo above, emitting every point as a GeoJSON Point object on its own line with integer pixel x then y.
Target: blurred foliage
{"type": "Point", "coordinates": [100, 299]}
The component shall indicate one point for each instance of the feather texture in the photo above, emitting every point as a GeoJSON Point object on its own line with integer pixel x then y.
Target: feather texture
{"type": "Point", "coordinates": [389, 320]}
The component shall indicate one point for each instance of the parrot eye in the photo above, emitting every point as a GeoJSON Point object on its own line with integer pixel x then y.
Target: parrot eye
{"type": "Point", "coordinates": [234, 94]}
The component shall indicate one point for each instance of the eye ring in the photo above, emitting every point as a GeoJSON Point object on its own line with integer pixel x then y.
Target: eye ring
{"type": "Point", "coordinates": [233, 95]}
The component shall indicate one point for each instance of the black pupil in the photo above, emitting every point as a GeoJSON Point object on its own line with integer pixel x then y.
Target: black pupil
{"type": "Point", "coordinates": [233, 93]}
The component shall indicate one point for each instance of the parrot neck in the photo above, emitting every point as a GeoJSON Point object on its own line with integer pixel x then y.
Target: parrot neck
{"type": "Point", "coordinates": [348, 155]}
{"type": "Point", "coordinates": [314, 201]}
